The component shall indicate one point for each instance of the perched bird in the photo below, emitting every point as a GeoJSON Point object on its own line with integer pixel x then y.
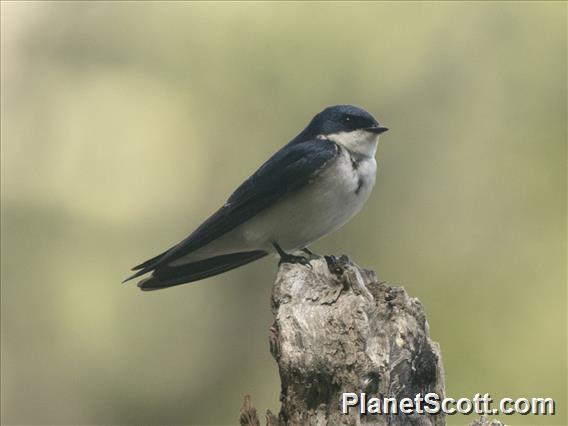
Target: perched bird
{"type": "Point", "coordinates": [308, 189]}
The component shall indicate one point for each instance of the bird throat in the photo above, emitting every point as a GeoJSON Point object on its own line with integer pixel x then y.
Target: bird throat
{"type": "Point", "coordinates": [359, 143]}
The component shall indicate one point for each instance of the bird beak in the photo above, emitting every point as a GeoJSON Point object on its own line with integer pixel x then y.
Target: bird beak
{"type": "Point", "coordinates": [376, 129]}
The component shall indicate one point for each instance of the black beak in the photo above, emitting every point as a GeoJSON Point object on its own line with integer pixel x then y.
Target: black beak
{"type": "Point", "coordinates": [376, 129]}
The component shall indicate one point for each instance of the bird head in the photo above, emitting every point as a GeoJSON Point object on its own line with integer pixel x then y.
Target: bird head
{"type": "Point", "coordinates": [347, 125]}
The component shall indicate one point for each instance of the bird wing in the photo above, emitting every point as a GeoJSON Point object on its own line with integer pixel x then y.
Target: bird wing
{"type": "Point", "coordinates": [290, 169]}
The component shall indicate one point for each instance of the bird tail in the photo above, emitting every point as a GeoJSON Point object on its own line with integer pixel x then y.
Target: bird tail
{"type": "Point", "coordinates": [169, 276]}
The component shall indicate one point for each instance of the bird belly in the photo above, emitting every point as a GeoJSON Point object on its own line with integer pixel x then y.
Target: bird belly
{"type": "Point", "coordinates": [303, 216]}
{"type": "Point", "coordinates": [322, 207]}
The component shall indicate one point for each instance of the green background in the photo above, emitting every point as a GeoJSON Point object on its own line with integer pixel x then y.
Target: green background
{"type": "Point", "coordinates": [124, 125]}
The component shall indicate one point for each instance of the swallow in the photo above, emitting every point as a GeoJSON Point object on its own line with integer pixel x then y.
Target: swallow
{"type": "Point", "coordinates": [308, 189]}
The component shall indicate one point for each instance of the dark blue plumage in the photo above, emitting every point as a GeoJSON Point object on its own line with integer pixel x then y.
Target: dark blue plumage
{"type": "Point", "coordinates": [335, 119]}
{"type": "Point", "coordinates": [289, 169]}
{"type": "Point", "coordinates": [292, 168]}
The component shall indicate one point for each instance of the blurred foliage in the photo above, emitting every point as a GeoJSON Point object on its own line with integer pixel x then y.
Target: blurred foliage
{"type": "Point", "coordinates": [125, 124]}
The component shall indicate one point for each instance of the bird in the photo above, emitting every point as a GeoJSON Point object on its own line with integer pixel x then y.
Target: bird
{"type": "Point", "coordinates": [308, 189]}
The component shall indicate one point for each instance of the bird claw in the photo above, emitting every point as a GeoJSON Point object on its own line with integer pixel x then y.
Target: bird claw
{"type": "Point", "coordinates": [311, 255]}
{"type": "Point", "coordinates": [290, 258]}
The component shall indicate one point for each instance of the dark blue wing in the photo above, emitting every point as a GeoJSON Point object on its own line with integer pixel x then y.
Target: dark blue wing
{"type": "Point", "coordinates": [291, 168]}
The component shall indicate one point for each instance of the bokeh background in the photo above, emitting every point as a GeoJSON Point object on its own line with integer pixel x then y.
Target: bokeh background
{"type": "Point", "coordinates": [124, 125]}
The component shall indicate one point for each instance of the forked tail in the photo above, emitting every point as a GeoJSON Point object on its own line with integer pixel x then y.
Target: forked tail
{"type": "Point", "coordinates": [168, 276]}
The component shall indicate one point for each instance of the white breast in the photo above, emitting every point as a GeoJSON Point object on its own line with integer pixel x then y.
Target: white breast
{"type": "Point", "coordinates": [325, 205]}
{"type": "Point", "coordinates": [304, 216]}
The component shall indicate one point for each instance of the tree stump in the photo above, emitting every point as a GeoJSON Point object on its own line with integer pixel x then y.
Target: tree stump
{"type": "Point", "coordinates": [338, 329]}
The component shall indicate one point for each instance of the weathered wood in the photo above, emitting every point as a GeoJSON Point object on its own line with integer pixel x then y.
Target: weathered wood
{"type": "Point", "coordinates": [248, 413]}
{"type": "Point", "coordinates": [338, 329]}
{"type": "Point", "coordinates": [485, 421]}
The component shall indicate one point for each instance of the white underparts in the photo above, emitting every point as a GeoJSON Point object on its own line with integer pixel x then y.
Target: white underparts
{"type": "Point", "coordinates": [304, 216]}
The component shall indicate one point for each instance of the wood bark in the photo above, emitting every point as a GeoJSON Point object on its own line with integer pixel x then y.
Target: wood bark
{"type": "Point", "coordinates": [337, 329]}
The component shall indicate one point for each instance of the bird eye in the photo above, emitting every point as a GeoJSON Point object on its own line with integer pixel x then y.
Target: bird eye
{"type": "Point", "coordinates": [347, 118]}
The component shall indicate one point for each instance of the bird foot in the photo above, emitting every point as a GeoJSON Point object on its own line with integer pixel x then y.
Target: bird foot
{"type": "Point", "coordinates": [291, 258]}
{"type": "Point", "coordinates": [311, 255]}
